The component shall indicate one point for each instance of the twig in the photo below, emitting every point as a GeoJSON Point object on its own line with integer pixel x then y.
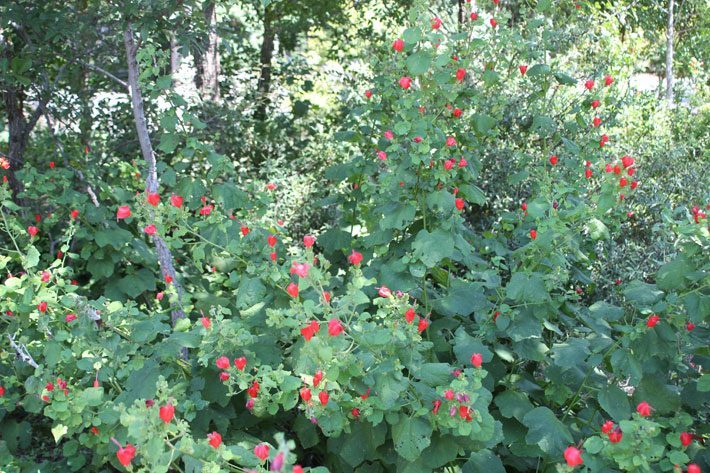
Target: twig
{"type": "Point", "coordinates": [22, 352]}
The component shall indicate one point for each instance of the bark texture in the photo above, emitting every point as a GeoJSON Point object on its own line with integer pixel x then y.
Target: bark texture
{"type": "Point", "coordinates": [165, 257]}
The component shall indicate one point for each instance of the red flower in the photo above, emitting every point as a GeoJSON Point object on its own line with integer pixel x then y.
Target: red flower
{"type": "Point", "coordinates": [215, 439]}
{"type": "Point", "coordinates": [588, 173]}
{"type": "Point", "coordinates": [523, 69]}
{"type": "Point", "coordinates": [222, 362]}
{"type": "Point", "coordinates": [323, 396]}
{"type": "Point", "coordinates": [223, 376]}
{"type": "Point", "coordinates": [437, 405]}
{"type": "Point", "coordinates": [608, 426]}
{"type": "Point", "coordinates": [608, 80]}
{"type": "Point", "coordinates": [271, 240]}
{"type": "Point", "coordinates": [553, 160]}
{"type": "Point", "coordinates": [384, 291]}
{"type": "Point", "coordinates": [42, 307]}
{"type": "Point", "coordinates": [405, 82]}
{"type": "Point", "coordinates": [644, 409]}
{"type": "Point", "coordinates": [595, 103]}
{"type": "Point", "coordinates": [457, 112]}
{"type": "Point", "coordinates": [317, 378]}
{"type": "Point", "coordinates": [176, 201]}
{"type": "Point", "coordinates": [435, 23]}
{"type": "Point", "coordinates": [596, 122]}
{"type": "Point", "coordinates": [689, 326]}
{"type": "Point", "coordinates": [335, 327]}
{"type": "Point", "coordinates": [533, 233]}
{"type": "Point", "coordinates": [589, 85]}
{"type": "Point", "coordinates": [477, 360]}
{"type": "Point", "coordinates": [422, 325]}
{"type": "Point", "coordinates": [309, 240]}
{"type": "Point", "coordinates": [693, 468]}
{"type": "Point", "coordinates": [167, 412]}
{"type": "Point", "coordinates": [652, 321]}
{"type": "Point", "coordinates": [69, 318]}
{"type": "Point", "coordinates": [206, 323]}
{"type": "Point", "coordinates": [615, 436]}
{"type": "Point", "coordinates": [253, 390]}
{"type": "Point", "coordinates": [409, 315]}
{"type": "Point", "coordinates": [368, 93]}
{"type": "Point", "coordinates": [355, 413]}
{"type": "Point", "coordinates": [74, 214]}
{"type": "Point", "coordinates": [460, 74]}
{"type": "Point", "coordinates": [123, 212]}
{"type": "Point", "coordinates": [292, 290]}
{"type": "Point", "coordinates": [149, 229]}
{"type": "Point", "coordinates": [305, 394]}
{"type": "Point", "coordinates": [474, 16]}
{"type": "Point", "coordinates": [32, 230]}
{"type": "Point", "coordinates": [126, 454]}
{"type": "Point", "coordinates": [240, 363]}
{"type": "Point", "coordinates": [153, 198]}
{"type": "Point", "coordinates": [300, 269]}
{"type": "Point", "coordinates": [261, 451]}
{"type": "Point", "coordinates": [573, 456]}
{"type": "Point", "coordinates": [398, 45]}
{"type": "Point", "coordinates": [355, 258]}
{"type": "Point", "coordinates": [310, 330]}
{"type": "Point", "coordinates": [686, 438]}
{"type": "Point", "coordinates": [206, 210]}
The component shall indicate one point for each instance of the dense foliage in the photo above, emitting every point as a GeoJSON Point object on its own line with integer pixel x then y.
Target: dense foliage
{"type": "Point", "coordinates": [475, 248]}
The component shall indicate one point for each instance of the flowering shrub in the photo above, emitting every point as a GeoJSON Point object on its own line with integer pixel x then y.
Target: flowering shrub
{"type": "Point", "coordinates": [432, 326]}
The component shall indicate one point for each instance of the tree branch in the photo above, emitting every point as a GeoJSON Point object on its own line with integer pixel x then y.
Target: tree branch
{"type": "Point", "coordinates": [22, 352]}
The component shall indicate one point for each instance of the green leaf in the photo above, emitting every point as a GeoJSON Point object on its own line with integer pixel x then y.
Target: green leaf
{"type": "Point", "coordinates": [571, 353]}
{"type": "Point", "coordinates": [538, 70]}
{"type": "Point", "coordinates": [543, 125]}
{"type": "Point", "coordinates": [615, 402]}
{"type": "Point", "coordinates": [546, 431]}
{"type": "Point", "coordinates": [597, 230]}
{"type": "Point", "coordinates": [513, 404]}
{"type": "Point", "coordinates": [168, 142]}
{"type": "Point", "coordinates": [593, 445]}
{"type": "Point", "coordinates": [664, 398]}
{"type": "Point", "coordinates": [411, 36]}
{"type": "Point", "coordinates": [704, 383]}
{"type": "Point", "coordinates": [483, 123]}
{"type": "Point", "coordinates": [671, 276]}
{"type": "Point", "coordinates": [433, 247]}
{"type": "Point", "coordinates": [463, 298]}
{"type": "Point", "coordinates": [525, 287]}
{"type": "Point", "coordinates": [419, 62]}
{"type": "Point", "coordinates": [465, 346]}
{"type": "Point", "coordinates": [565, 79]}
{"type": "Point", "coordinates": [92, 396]}
{"type": "Point", "coordinates": [411, 435]}
{"type": "Point", "coordinates": [642, 294]}
{"type": "Point", "coordinates": [483, 461]}
{"type": "Point", "coordinates": [397, 215]}
{"type": "Point", "coordinates": [32, 258]}
{"type": "Point", "coordinates": [58, 431]}
{"type": "Point", "coordinates": [434, 374]}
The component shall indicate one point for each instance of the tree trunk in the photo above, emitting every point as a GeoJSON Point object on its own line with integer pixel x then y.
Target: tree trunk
{"type": "Point", "coordinates": [267, 53]}
{"type": "Point", "coordinates": [14, 98]}
{"type": "Point", "coordinates": [669, 54]}
{"type": "Point", "coordinates": [210, 63]}
{"type": "Point", "coordinates": [165, 257]}
{"type": "Point", "coordinates": [462, 14]}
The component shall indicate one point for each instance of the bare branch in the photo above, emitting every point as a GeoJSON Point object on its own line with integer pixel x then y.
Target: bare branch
{"type": "Point", "coordinates": [22, 352]}
{"type": "Point", "coordinates": [93, 67]}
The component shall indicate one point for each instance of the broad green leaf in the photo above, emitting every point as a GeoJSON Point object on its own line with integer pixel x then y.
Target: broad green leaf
{"type": "Point", "coordinates": [642, 294]}
{"type": "Point", "coordinates": [483, 461]}
{"type": "Point", "coordinates": [671, 276]}
{"type": "Point", "coordinates": [524, 287]}
{"type": "Point", "coordinates": [419, 62]}
{"type": "Point", "coordinates": [411, 435]}
{"type": "Point", "coordinates": [513, 404]}
{"type": "Point", "coordinates": [615, 402]}
{"type": "Point", "coordinates": [546, 431]}
{"type": "Point", "coordinates": [432, 247]}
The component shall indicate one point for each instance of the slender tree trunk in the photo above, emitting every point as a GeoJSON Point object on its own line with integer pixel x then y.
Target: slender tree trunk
{"type": "Point", "coordinates": [462, 13]}
{"type": "Point", "coordinates": [669, 54]}
{"type": "Point", "coordinates": [14, 98]}
{"type": "Point", "coordinates": [210, 63]}
{"type": "Point", "coordinates": [267, 53]}
{"type": "Point", "coordinates": [165, 257]}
